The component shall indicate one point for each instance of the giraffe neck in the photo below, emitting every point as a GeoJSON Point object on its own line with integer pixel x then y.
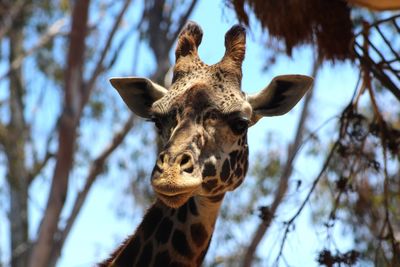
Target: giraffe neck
{"type": "Point", "coordinates": [170, 237]}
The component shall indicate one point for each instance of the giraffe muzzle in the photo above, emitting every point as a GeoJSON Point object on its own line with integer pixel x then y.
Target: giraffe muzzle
{"type": "Point", "coordinates": [175, 179]}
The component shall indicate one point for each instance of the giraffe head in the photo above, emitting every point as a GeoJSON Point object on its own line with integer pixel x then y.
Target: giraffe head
{"type": "Point", "coordinates": [204, 116]}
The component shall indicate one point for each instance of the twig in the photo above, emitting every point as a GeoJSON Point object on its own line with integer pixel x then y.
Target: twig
{"type": "Point", "coordinates": [393, 19]}
{"type": "Point", "coordinates": [386, 81]}
{"type": "Point", "coordinates": [332, 215]}
{"type": "Point", "coordinates": [53, 30]}
{"type": "Point", "coordinates": [160, 40]}
{"type": "Point", "coordinates": [293, 150]}
{"type": "Point", "coordinates": [183, 20]}
{"type": "Point", "coordinates": [99, 65]}
{"type": "Point", "coordinates": [388, 44]}
{"type": "Point", "coordinates": [362, 52]}
{"type": "Point", "coordinates": [386, 193]}
{"type": "Point", "coordinates": [38, 167]}
{"type": "Point", "coordinates": [289, 223]}
{"type": "Point", "coordinates": [381, 55]}
{"type": "Point", "coordinates": [117, 51]}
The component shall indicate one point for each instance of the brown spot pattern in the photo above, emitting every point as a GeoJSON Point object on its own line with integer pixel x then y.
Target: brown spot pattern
{"type": "Point", "coordinates": [210, 184]}
{"type": "Point", "coordinates": [181, 245]}
{"type": "Point", "coordinates": [162, 259]}
{"type": "Point", "coordinates": [233, 156]}
{"type": "Point", "coordinates": [129, 253]}
{"type": "Point", "coordinates": [178, 264]}
{"type": "Point", "coordinates": [200, 259]}
{"type": "Point", "coordinates": [225, 170]}
{"type": "Point", "coordinates": [209, 170]}
{"type": "Point", "coordinates": [182, 213]}
{"type": "Point", "coordinates": [145, 257]}
{"type": "Point", "coordinates": [216, 198]}
{"type": "Point", "coordinates": [199, 234]}
{"type": "Point", "coordinates": [164, 231]}
{"type": "Point", "coordinates": [193, 207]}
{"type": "Point", "coordinates": [150, 222]}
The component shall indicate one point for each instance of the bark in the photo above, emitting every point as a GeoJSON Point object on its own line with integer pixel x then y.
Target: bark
{"type": "Point", "coordinates": [9, 15]}
{"type": "Point", "coordinates": [284, 179]}
{"type": "Point", "coordinates": [17, 176]}
{"type": "Point", "coordinates": [68, 124]}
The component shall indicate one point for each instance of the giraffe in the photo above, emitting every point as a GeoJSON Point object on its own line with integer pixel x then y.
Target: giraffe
{"type": "Point", "coordinates": [202, 120]}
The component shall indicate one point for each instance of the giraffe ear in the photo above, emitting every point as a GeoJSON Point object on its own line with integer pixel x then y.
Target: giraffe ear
{"type": "Point", "coordinates": [280, 96]}
{"type": "Point", "coordinates": [138, 93]}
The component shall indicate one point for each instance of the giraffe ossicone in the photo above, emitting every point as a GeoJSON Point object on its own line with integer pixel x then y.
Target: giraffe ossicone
{"type": "Point", "coordinates": [202, 120]}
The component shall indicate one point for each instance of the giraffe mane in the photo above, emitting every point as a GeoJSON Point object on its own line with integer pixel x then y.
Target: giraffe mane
{"type": "Point", "coordinates": [113, 255]}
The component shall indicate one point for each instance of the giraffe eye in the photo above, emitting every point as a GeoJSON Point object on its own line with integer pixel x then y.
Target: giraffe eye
{"type": "Point", "coordinates": [239, 125]}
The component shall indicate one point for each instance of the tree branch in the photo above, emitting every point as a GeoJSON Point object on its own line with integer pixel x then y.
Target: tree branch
{"type": "Point", "coordinates": [293, 150]}
{"type": "Point", "coordinates": [38, 166]}
{"type": "Point", "coordinates": [15, 150]}
{"type": "Point", "coordinates": [182, 21]}
{"type": "Point", "coordinates": [303, 204]}
{"type": "Point", "coordinates": [96, 168]}
{"type": "Point", "coordinates": [8, 19]}
{"type": "Point", "coordinates": [116, 54]}
{"type": "Point", "coordinates": [159, 39]}
{"type": "Point", "coordinates": [99, 65]}
{"type": "Point", "coordinates": [53, 30]}
{"type": "Point", "coordinates": [3, 134]}
{"type": "Point", "coordinates": [68, 123]}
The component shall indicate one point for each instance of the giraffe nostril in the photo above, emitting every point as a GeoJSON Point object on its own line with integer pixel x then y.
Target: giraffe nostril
{"type": "Point", "coordinates": [162, 158]}
{"type": "Point", "coordinates": [186, 163]}
{"type": "Point", "coordinates": [189, 169]}
{"type": "Point", "coordinates": [185, 159]}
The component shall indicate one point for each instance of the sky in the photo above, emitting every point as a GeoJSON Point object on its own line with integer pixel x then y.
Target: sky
{"type": "Point", "coordinates": [98, 231]}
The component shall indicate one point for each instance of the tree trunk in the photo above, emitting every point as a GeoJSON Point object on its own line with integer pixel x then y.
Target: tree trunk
{"type": "Point", "coordinates": [68, 123]}
{"type": "Point", "coordinates": [17, 176]}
